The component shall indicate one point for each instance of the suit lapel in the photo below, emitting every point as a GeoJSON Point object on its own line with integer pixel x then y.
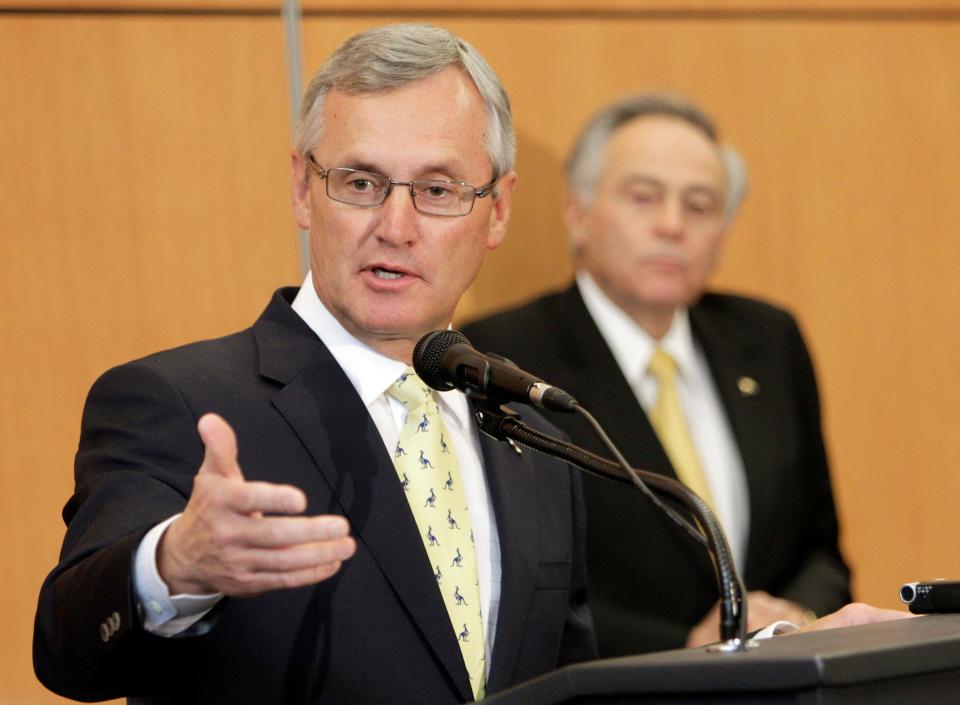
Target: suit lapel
{"type": "Point", "coordinates": [737, 366]}
{"type": "Point", "coordinates": [513, 493]}
{"type": "Point", "coordinates": [601, 388]}
{"type": "Point", "coordinates": [328, 416]}
{"type": "Point", "coordinates": [608, 394]}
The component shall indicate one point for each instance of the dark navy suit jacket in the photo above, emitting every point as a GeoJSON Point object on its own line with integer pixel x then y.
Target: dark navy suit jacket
{"type": "Point", "coordinates": [377, 632]}
{"type": "Point", "coordinates": [649, 582]}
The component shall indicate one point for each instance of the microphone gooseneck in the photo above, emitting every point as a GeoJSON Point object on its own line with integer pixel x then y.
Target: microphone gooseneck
{"type": "Point", "coordinates": [445, 360]}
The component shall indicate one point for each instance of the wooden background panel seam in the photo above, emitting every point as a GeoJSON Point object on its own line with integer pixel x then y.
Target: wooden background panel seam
{"type": "Point", "coordinates": [616, 14]}
{"type": "Point", "coordinates": [141, 10]}
{"type": "Point", "coordinates": [508, 9]}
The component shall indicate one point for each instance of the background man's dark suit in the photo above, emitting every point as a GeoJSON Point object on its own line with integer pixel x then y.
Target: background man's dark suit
{"type": "Point", "coordinates": [649, 583]}
{"type": "Point", "coordinates": [377, 632]}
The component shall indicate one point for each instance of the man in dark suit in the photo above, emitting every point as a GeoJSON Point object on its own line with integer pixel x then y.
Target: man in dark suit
{"type": "Point", "coordinates": [651, 197]}
{"type": "Point", "coordinates": [293, 567]}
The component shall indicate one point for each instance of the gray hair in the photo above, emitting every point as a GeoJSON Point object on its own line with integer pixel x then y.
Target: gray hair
{"type": "Point", "coordinates": [385, 58]}
{"type": "Point", "coordinates": [586, 158]}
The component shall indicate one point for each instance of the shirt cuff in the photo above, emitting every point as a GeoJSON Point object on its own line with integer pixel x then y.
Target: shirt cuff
{"type": "Point", "coordinates": [776, 629]}
{"type": "Point", "coordinates": [164, 614]}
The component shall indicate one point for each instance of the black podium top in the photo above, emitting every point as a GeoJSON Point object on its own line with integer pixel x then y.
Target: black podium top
{"type": "Point", "coordinates": [911, 661]}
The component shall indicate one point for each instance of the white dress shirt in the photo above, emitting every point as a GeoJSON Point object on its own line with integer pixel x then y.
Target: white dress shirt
{"type": "Point", "coordinates": [632, 348]}
{"type": "Point", "coordinates": [371, 374]}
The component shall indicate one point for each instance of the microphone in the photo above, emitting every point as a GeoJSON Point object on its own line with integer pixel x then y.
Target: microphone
{"type": "Point", "coordinates": [445, 359]}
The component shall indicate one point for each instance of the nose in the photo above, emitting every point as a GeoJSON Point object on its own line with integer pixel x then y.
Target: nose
{"type": "Point", "coordinates": [398, 218]}
{"type": "Point", "coordinates": [670, 218]}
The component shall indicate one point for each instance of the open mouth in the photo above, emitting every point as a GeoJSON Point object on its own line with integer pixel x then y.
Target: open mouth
{"type": "Point", "coordinates": [381, 273]}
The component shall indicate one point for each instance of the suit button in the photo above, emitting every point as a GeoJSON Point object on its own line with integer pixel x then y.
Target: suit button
{"type": "Point", "coordinates": [109, 627]}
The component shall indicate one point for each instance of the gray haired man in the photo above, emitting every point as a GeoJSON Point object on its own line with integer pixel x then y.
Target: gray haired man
{"type": "Point", "coordinates": [715, 389]}
{"type": "Point", "coordinates": [246, 526]}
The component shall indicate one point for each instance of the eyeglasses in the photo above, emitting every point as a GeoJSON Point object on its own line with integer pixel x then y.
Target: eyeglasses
{"type": "Point", "coordinates": [368, 189]}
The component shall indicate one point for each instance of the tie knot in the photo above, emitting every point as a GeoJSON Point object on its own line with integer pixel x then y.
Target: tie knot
{"type": "Point", "coordinates": [662, 366]}
{"type": "Point", "coordinates": [410, 390]}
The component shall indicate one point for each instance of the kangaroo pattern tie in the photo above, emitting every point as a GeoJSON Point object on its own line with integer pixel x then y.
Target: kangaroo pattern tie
{"type": "Point", "coordinates": [430, 476]}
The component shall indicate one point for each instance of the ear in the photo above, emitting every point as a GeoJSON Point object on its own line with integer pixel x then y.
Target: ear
{"type": "Point", "coordinates": [300, 189]}
{"type": "Point", "coordinates": [721, 245]}
{"type": "Point", "coordinates": [574, 214]}
{"type": "Point", "coordinates": [500, 213]}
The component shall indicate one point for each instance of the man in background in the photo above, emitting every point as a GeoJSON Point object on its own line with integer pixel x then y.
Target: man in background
{"type": "Point", "coordinates": [349, 537]}
{"type": "Point", "coordinates": [715, 389]}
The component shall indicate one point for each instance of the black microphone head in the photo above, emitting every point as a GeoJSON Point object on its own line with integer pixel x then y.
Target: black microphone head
{"type": "Point", "coordinates": [429, 352]}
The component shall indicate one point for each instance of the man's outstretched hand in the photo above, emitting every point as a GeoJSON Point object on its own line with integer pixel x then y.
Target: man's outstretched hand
{"type": "Point", "coordinates": [223, 542]}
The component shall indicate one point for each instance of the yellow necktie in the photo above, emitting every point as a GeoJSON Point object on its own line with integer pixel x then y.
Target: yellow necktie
{"type": "Point", "coordinates": [671, 426]}
{"type": "Point", "coordinates": [427, 467]}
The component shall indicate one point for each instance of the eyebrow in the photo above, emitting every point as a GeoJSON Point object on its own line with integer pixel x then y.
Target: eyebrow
{"type": "Point", "coordinates": [434, 168]}
{"type": "Point", "coordinates": [632, 179]}
{"type": "Point", "coordinates": [360, 166]}
{"type": "Point", "coordinates": [652, 181]}
{"type": "Point", "coordinates": [708, 190]}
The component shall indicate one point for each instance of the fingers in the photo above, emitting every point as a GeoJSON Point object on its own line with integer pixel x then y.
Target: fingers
{"type": "Point", "coordinates": [855, 614]}
{"type": "Point", "coordinates": [249, 498]}
{"type": "Point", "coordinates": [763, 609]}
{"type": "Point", "coordinates": [301, 557]}
{"type": "Point", "coordinates": [243, 555]}
{"type": "Point", "coordinates": [233, 536]}
{"type": "Point", "coordinates": [239, 570]}
{"type": "Point", "coordinates": [708, 629]}
{"type": "Point", "coordinates": [258, 583]}
{"type": "Point", "coordinates": [279, 532]}
{"type": "Point", "coordinates": [220, 461]}
{"type": "Point", "coordinates": [220, 444]}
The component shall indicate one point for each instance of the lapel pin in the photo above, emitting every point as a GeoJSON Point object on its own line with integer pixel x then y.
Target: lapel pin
{"type": "Point", "coordinates": [748, 386]}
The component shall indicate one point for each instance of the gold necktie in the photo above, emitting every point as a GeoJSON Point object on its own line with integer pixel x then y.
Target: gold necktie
{"type": "Point", "coordinates": [671, 426]}
{"type": "Point", "coordinates": [427, 467]}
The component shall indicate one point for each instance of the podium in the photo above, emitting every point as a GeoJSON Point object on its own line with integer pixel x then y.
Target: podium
{"type": "Point", "coordinates": [905, 662]}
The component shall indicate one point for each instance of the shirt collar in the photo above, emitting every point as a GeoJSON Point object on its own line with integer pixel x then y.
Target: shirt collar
{"type": "Point", "coordinates": [631, 345]}
{"type": "Point", "coordinates": [370, 372]}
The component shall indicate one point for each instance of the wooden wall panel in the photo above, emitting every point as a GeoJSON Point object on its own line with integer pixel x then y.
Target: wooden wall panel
{"type": "Point", "coordinates": [145, 204]}
{"type": "Point", "coordinates": [144, 181]}
{"type": "Point", "coordinates": [665, 9]}
{"type": "Point", "coordinates": [239, 7]}
{"type": "Point", "coordinates": [848, 128]}
{"type": "Point", "coordinates": [468, 8]}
